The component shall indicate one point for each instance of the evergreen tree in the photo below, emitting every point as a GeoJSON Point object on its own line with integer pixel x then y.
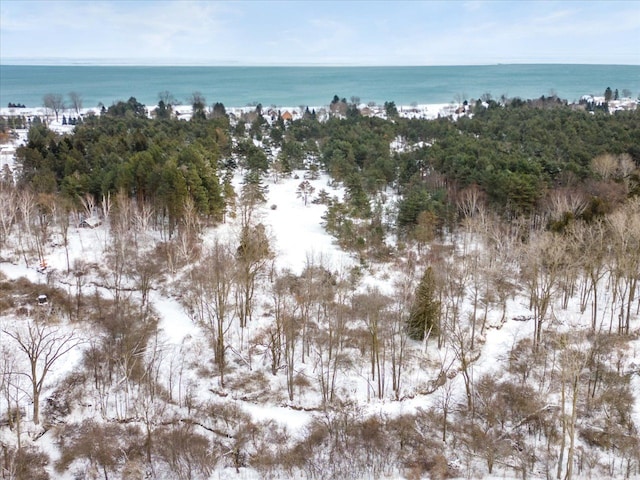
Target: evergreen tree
{"type": "Point", "coordinates": [356, 196]}
{"type": "Point", "coordinates": [253, 190]}
{"type": "Point", "coordinates": [163, 111]}
{"type": "Point", "coordinates": [219, 110]}
{"type": "Point", "coordinates": [425, 312]}
{"type": "Point", "coordinates": [391, 109]}
{"type": "Point", "coordinates": [198, 105]}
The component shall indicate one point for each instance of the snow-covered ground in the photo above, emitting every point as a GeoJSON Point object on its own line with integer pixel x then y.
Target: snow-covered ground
{"type": "Point", "coordinates": [298, 239]}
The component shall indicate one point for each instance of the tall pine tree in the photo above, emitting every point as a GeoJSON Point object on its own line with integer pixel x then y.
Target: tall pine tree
{"type": "Point", "coordinates": [425, 312]}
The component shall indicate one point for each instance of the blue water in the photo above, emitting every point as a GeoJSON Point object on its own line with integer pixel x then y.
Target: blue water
{"type": "Point", "coordinates": [315, 86]}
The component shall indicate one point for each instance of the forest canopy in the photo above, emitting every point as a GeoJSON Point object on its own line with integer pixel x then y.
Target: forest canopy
{"type": "Point", "coordinates": [514, 154]}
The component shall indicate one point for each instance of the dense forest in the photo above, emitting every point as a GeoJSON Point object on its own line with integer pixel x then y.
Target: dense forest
{"type": "Point", "coordinates": [517, 221]}
{"type": "Point", "coordinates": [515, 155]}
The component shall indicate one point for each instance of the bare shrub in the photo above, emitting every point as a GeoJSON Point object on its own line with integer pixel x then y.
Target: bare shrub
{"type": "Point", "coordinates": [125, 336]}
{"type": "Point", "coordinates": [101, 447]}
{"type": "Point", "coordinates": [436, 466]}
{"type": "Point", "coordinates": [27, 463]}
{"type": "Point", "coordinates": [272, 453]}
{"type": "Point", "coordinates": [253, 385]}
{"type": "Point", "coordinates": [183, 454]}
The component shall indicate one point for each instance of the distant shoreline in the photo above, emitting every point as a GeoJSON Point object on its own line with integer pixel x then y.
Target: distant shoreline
{"type": "Point", "coordinates": [64, 124]}
{"type": "Point", "coordinates": [182, 111]}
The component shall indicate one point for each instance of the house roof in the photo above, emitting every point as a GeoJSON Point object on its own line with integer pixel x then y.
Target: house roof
{"type": "Point", "coordinates": [91, 222]}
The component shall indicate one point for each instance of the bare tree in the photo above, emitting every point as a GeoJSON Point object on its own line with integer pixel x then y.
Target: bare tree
{"type": "Point", "coordinates": [609, 166]}
{"type": "Point", "coordinates": [371, 307]}
{"type": "Point", "coordinates": [89, 204]}
{"type": "Point", "coordinates": [102, 446]}
{"type": "Point", "coordinates": [13, 389]}
{"type": "Point", "coordinates": [544, 261]}
{"type": "Point", "coordinates": [572, 362]}
{"type": "Point", "coordinates": [80, 270]}
{"type": "Point", "coordinates": [8, 212]}
{"type": "Point", "coordinates": [327, 331]}
{"type": "Point", "coordinates": [169, 100]}
{"type": "Point", "coordinates": [46, 212]}
{"type": "Point", "coordinates": [76, 101]}
{"type": "Point", "coordinates": [400, 307]}
{"type": "Point", "coordinates": [624, 230]}
{"type": "Point", "coordinates": [53, 101]}
{"type": "Point", "coordinates": [484, 434]}
{"type": "Point", "coordinates": [460, 341]}
{"type": "Point", "coordinates": [565, 201]}
{"type": "Point", "coordinates": [284, 333]}
{"type": "Point", "coordinates": [185, 454]}
{"type": "Point", "coordinates": [336, 330]}
{"type": "Point", "coordinates": [626, 166]}
{"type": "Point", "coordinates": [121, 251]}
{"type": "Point", "coordinates": [62, 219]}
{"type": "Point", "coordinates": [470, 201]}
{"type": "Point", "coordinates": [590, 238]}
{"type": "Point", "coordinates": [208, 298]}
{"type": "Point", "coordinates": [189, 231]}
{"type": "Point", "coordinates": [252, 256]}
{"type": "Point", "coordinates": [142, 217]}
{"type": "Point", "coordinates": [43, 345]}
{"type": "Point", "coordinates": [28, 210]}
{"type": "Point", "coordinates": [281, 301]}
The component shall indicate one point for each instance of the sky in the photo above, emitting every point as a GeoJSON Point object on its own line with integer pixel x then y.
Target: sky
{"type": "Point", "coordinates": [182, 32]}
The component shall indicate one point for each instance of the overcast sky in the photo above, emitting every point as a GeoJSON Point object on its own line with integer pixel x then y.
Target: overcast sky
{"type": "Point", "coordinates": [177, 32]}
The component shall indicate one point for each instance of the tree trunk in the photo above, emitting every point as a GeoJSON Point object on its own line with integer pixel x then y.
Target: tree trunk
{"type": "Point", "coordinates": [572, 429]}
{"type": "Point", "coordinates": [36, 394]}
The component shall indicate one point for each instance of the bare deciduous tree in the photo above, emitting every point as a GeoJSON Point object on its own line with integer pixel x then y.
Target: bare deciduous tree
{"type": "Point", "coordinates": [399, 309]}
{"type": "Point", "coordinates": [624, 230]}
{"type": "Point", "coordinates": [167, 97]}
{"type": "Point", "coordinates": [590, 238]}
{"type": "Point", "coordinates": [27, 210]}
{"type": "Point", "coordinates": [8, 212]}
{"type": "Point", "coordinates": [252, 257]}
{"type": "Point", "coordinates": [76, 101]}
{"type": "Point", "coordinates": [14, 391]}
{"type": "Point", "coordinates": [89, 204]}
{"type": "Point", "coordinates": [371, 307]}
{"type": "Point", "coordinates": [460, 341]}
{"type": "Point", "coordinates": [53, 101]}
{"type": "Point", "coordinates": [208, 298]}
{"type": "Point", "coordinates": [285, 332]}
{"type": "Point", "coordinates": [470, 201]}
{"type": "Point", "coordinates": [102, 446]}
{"type": "Point", "coordinates": [573, 359]}
{"type": "Point", "coordinates": [604, 165]}
{"type": "Point", "coordinates": [543, 264]}
{"type": "Point", "coordinates": [43, 345]}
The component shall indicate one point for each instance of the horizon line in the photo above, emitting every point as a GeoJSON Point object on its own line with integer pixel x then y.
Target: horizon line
{"type": "Point", "coordinates": [66, 62]}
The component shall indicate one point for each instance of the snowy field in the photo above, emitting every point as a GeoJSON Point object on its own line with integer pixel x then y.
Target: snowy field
{"type": "Point", "coordinates": [298, 239]}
